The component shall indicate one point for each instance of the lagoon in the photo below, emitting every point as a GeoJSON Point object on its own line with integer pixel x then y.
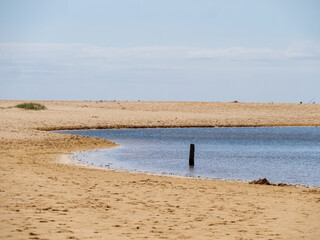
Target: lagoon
{"type": "Point", "coordinates": [281, 154]}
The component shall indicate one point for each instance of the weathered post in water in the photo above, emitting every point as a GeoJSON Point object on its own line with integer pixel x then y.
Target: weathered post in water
{"type": "Point", "coordinates": [191, 155]}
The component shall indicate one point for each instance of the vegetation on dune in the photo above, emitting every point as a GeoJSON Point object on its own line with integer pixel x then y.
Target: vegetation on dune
{"type": "Point", "coordinates": [31, 106]}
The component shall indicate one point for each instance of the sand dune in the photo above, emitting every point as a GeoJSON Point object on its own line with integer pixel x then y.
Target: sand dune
{"type": "Point", "coordinates": [44, 199]}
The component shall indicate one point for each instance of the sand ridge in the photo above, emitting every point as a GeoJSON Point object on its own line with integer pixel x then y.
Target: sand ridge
{"type": "Point", "coordinates": [43, 199]}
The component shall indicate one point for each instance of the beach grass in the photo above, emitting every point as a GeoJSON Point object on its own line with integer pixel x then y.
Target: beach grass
{"type": "Point", "coordinates": [31, 106]}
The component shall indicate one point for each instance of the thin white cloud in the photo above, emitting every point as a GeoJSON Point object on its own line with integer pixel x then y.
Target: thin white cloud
{"type": "Point", "coordinates": [44, 57]}
{"type": "Point", "coordinates": [304, 49]}
{"type": "Point", "coordinates": [298, 49]}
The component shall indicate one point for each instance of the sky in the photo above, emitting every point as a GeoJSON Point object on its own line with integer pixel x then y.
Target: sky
{"type": "Point", "coordinates": [168, 50]}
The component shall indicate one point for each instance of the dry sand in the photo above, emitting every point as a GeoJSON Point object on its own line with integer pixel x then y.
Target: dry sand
{"type": "Point", "coordinates": [44, 199]}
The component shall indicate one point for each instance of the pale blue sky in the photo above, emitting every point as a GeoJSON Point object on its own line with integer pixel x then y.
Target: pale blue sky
{"type": "Point", "coordinates": [249, 50]}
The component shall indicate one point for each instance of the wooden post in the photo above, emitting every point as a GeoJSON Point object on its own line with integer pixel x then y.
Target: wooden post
{"type": "Point", "coordinates": [191, 156]}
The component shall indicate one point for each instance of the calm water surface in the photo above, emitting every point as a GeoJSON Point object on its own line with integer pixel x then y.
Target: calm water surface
{"type": "Point", "coordinates": [288, 155]}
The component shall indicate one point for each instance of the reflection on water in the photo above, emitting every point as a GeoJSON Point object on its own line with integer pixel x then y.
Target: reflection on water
{"type": "Point", "coordinates": [289, 155]}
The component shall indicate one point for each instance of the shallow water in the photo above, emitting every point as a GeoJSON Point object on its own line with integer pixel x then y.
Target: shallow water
{"type": "Point", "coordinates": [283, 154]}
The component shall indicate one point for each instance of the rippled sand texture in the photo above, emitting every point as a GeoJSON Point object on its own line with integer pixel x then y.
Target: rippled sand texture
{"type": "Point", "coordinates": [44, 199]}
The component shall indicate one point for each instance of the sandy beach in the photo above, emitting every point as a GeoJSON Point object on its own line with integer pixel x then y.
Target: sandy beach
{"type": "Point", "coordinates": [42, 198]}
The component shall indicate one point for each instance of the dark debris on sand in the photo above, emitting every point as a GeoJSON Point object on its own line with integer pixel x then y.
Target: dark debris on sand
{"type": "Point", "coordinates": [264, 181]}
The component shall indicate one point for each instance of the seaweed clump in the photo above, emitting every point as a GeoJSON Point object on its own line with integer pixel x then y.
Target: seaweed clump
{"type": "Point", "coordinates": [262, 181]}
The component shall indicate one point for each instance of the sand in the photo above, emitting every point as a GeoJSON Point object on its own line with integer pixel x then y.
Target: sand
{"type": "Point", "coordinates": [42, 198]}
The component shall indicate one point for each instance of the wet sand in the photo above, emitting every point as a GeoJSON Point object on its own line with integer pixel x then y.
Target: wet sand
{"type": "Point", "coordinates": [44, 199]}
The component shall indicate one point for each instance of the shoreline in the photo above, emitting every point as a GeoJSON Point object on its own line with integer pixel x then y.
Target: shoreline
{"type": "Point", "coordinates": [70, 159]}
{"type": "Point", "coordinates": [44, 199]}
{"type": "Point", "coordinates": [165, 127]}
